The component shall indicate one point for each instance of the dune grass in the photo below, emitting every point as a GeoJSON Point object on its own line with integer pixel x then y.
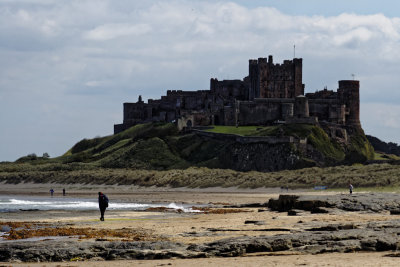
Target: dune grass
{"type": "Point", "coordinates": [367, 176]}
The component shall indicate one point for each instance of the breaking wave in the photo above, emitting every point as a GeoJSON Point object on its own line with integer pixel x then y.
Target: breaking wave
{"type": "Point", "coordinates": [13, 203]}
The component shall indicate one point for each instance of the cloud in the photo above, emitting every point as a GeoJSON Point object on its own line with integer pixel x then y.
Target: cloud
{"type": "Point", "coordinates": [112, 31]}
{"type": "Point", "coordinates": [383, 115]}
{"type": "Point", "coordinates": [381, 120]}
{"type": "Point", "coordinates": [59, 53]}
{"type": "Point", "coordinates": [95, 83]}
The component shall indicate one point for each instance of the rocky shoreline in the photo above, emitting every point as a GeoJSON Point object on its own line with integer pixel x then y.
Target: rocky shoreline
{"type": "Point", "coordinates": [308, 238]}
{"type": "Point", "coordinates": [336, 238]}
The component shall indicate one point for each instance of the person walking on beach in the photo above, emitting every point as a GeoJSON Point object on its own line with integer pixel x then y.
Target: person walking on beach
{"type": "Point", "coordinates": [351, 188]}
{"type": "Point", "coordinates": [64, 192]}
{"type": "Point", "coordinates": [51, 191]}
{"type": "Point", "coordinates": [103, 204]}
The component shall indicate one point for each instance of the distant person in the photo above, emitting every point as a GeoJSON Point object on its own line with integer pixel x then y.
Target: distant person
{"type": "Point", "coordinates": [351, 188]}
{"type": "Point", "coordinates": [64, 192]}
{"type": "Point", "coordinates": [51, 191]}
{"type": "Point", "coordinates": [103, 204]}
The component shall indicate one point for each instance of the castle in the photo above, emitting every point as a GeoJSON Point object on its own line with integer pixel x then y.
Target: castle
{"type": "Point", "coordinates": [270, 94]}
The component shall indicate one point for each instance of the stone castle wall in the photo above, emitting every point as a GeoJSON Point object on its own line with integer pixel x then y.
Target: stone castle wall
{"type": "Point", "coordinates": [269, 80]}
{"type": "Point", "coordinates": [271, 93]}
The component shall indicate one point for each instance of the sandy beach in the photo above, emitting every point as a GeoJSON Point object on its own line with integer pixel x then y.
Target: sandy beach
{"type": "Point", "coordinates": [196, 228]}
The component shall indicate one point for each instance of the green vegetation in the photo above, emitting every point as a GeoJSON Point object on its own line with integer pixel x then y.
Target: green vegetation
{"type": "Point", "coordinates": [155, 146]}
{"type": "Point", "coordinates": [359, 150]}
{"type": "Point", "coordinates": [383, 156]}
{"type": "Point", "coordinates": [332, 151]}
{"type": "Point", "coordinates": [242, 130]}
{"type": "Point", "coordinates": [369, 176]}
{"type": "Point", "coordinates": [155, 154]}
{"type": "Point", "coordinates": [159, 146]}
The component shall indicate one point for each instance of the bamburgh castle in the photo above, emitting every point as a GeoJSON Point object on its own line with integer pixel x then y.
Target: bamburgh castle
{"type": "Point", "coordinates": [271, 93]}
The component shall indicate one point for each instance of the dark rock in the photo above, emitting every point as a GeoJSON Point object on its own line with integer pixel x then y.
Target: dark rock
{"type": "Point", "coordinates": [368, 245]}
{"type": "Point", "coordinates": [311, 205]}
{"type": "Point", "coordinates": [292, 213]}
{"type": "Point", "coordinates": [281, 244]}
{"type": "Point", "coordinates": [255, 222]}
{"type": "Point", "coordinates": [283, 203]}
{"type": "Point", "coordinates": [386, 242]}
{"type": "Point", "coordinates": [395, 212]}
{"type": "Point", "coordinates": [372, 202]}
{"type": "Point", "coordinates": [319, 210]}
{"type": "Point", "coordinates": [331, 228]}
{"type": "Point", "coordinates": [396, 254]}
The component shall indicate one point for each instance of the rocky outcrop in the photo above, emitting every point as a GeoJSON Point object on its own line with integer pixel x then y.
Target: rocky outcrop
{"type": "Point", "coordinates": [372, 238]}
{"type": "Point", "coordinates": [260, 156]}
{"type": "Point", "coordinates": [373, 202]}
{"type": "Point", "coordinates": [43, 251]}
{"type": "Point", "coordinates": [377, 236]}
{"type": "Point", "coordinates": [318, 237]}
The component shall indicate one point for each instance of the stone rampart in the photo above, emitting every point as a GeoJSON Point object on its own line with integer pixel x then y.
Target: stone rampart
{"type": "Point", "coordinates": [246, 139]}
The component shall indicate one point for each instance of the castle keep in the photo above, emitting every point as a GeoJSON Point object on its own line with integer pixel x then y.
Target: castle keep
{"type": "Point", "coordinates": [270, 94]}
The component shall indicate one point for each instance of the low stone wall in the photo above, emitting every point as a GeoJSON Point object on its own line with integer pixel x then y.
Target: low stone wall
{"type": "Point", "coordinates": [246, 139]}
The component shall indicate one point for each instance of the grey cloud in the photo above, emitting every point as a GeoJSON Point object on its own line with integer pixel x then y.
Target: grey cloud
{"type": "Point", "coordinates": [109, 52]}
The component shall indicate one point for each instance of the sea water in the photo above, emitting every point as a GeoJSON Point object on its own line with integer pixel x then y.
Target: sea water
{"type": "Point", "coordinates": [18, 203]}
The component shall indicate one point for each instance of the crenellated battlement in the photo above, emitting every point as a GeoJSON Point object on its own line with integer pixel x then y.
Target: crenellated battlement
{"type": "Point", "coordinates": [271, 93]}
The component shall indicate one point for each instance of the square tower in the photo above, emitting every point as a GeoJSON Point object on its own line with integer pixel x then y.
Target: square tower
{"type": "Point", "coordinates": [269, 80]}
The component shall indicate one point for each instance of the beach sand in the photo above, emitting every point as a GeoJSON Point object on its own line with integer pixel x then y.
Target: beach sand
{"type": "Point", "coordinates": [376, 259]}
{"type": "Point", "coordinates": [194, 228]}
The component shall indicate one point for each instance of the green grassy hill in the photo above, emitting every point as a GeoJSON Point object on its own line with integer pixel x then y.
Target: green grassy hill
{"type": "Point", "coordinates": [159, 146]}
{"type": "Point", "coordinates": [156, 154]}
{"type": "Point", "coordinates": [155, 146]}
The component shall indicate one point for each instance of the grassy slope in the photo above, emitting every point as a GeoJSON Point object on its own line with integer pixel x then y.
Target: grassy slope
{"type": "Point", "coordinates": [385, 157]}
{"type": "Point", "coordinates": [159, 146]}
{"type": "Point", "coordinates": [133, 156]}
{"type": "Point", "coordinates": [156, 146]}
{"type": "Point", "coordinates": [359, 149]}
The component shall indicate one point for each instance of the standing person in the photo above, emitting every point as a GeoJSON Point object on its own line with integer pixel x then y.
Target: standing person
{"type": "Point", "coordinates": [64, 192]}
{"type": "Point", "coordinates": [351, 188]}
{"type": "Point", "coordinates": [103, 204]}
{"type": "Point", "coordinates": [51, 191]}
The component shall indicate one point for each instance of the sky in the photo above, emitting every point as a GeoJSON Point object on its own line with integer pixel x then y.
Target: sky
{"type": "Point", "coordinates": [67, 66]}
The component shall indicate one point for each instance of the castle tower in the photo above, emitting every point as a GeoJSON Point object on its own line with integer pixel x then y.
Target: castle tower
{"type": "Point", "coordinates": [349, 94]}
{"type": "Point", "coordinates": [254, 90]}
{"type": "Point", "coordinates": [269, 80]}
{"type": "Point", "coordinates": [213, 84]}
{"type": "Point", "coordinates": [298, 76]}
{"type": "Point", "coordinates": [301, 109]}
